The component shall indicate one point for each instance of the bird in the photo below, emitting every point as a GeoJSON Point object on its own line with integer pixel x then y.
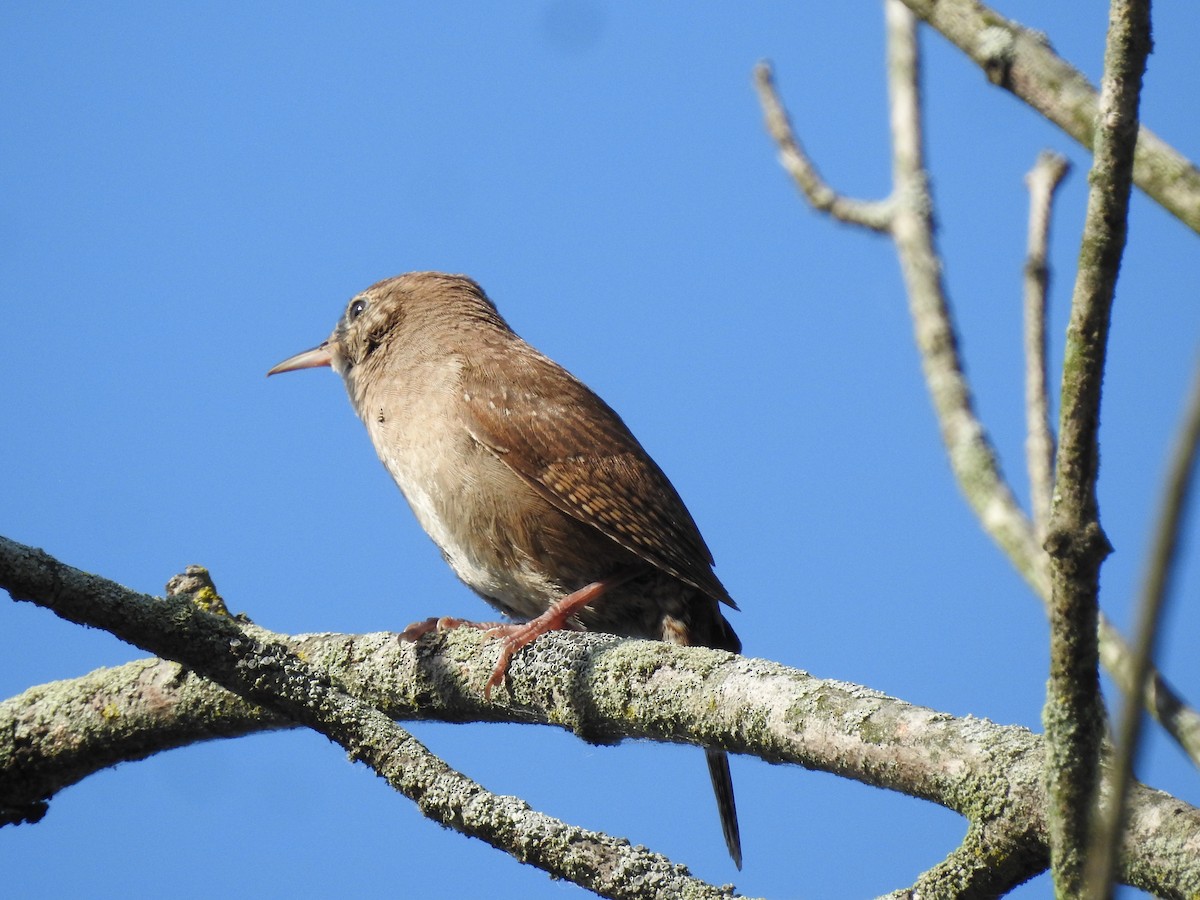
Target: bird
{"type": "Point", "coordinates": [536, 492]}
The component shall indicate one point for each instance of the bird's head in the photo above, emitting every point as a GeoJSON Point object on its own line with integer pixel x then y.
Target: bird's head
{"type": "Point", "coordinates": [418, 314]}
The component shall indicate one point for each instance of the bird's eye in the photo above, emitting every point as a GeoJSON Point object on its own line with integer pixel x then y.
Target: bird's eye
{"type": "Point", "coordinates": [355, 309]}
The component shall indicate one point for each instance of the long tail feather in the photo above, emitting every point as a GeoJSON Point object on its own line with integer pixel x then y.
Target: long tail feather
{"type": "Point", "coordinates": [718, 770]}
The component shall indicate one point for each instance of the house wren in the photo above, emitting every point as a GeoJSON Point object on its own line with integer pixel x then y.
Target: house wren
{"type": "Point", "coordinates": [538, 496]}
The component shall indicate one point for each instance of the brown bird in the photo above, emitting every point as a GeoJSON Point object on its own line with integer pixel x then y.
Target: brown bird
{"type": "Point", "coordinates": [537, 494]}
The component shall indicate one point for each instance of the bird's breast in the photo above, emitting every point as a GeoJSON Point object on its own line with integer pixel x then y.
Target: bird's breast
{"type": "Point", "coordinates": [495, 531]}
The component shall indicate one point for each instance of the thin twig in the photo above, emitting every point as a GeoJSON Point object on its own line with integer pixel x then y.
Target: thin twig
{"type": "Point", "coordinates": [1156, 586]}
{"type": "Point", "coordinates": [875, 216]}
{"type": "Point", "coordinates": [1043, 180]}
{"type": "Point", "coordinates": [971, 453]}
{"type": "Point", "coordinates": [1074, 713]}
{"type": "Point", "coordinates": [1180, 721]}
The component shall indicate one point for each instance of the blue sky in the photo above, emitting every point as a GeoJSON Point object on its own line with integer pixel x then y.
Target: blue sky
{"type": "Point", "coordinates": [190, 194]}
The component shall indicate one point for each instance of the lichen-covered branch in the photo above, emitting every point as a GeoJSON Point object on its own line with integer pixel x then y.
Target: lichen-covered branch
{"type": "Point", "coordinates": [986, 865]}
{"type": "Point", "coordinates": [603, 689]}
{"type": "Point", "coordinates": [1022, 61]}
{"type": "Point", "coordinates": [1074, 712]}
{"type": "Point", "coordinates": [54, 735]}
{"type": "Point", "coordinates": [258, 666]}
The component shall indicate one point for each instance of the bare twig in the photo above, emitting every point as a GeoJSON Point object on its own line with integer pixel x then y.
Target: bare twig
{"type": "Point", "coordinates": [972, 455]}
{"type": "Point", "coordinates": [1074, 713]}
{"type": "Point", "coordinates": [977, 470]}
{"type": "Point", "coordinates": [876, 216]}
{"type": "Point", "coordinates": [1162, 701]}
{"type": "Point", "coordinates": [260, 667]}
{"type": "Point", "coordinates": [1043, 180]}
{"type": "Point", "coordinates": [1021, 60]}
{"type": "Point", "coordinates": [1156, 585]}
{"type": "Point", "coordinates": [908, 217]}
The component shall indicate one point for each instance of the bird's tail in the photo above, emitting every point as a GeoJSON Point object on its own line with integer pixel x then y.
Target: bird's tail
{"type": "Point", "coordinates": [720, 634]}
{"type": "Point", "coordinates": [718, 770]}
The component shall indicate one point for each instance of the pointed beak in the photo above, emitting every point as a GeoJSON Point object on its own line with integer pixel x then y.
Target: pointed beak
{"type": "Point", "coordinates": [309, 359]}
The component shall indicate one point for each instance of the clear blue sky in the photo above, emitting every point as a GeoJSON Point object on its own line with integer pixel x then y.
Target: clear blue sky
{"type": "Point", "coordinates": [190, 194]}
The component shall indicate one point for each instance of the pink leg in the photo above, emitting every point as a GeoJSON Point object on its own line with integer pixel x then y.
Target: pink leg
{"type": "Point", "coordinates": [554, 619]}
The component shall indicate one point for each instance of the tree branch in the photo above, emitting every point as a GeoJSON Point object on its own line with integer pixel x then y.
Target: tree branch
{"type": "Point", "coordinates": [260, 667]}
{"type": "Point", "coordinates": [1162, 701]}
{"type": "Point", "coordinates": [874, 216]}
{"type": "Point", "coordinates": [1074, 712]}
{"type": "Point", "coordinates": [604, 690]}
{"type": "Point", "coordinates": [57, 734]}
{"type": "Point", "coordinates": [910, 224]}
{"type": "Point", "coordinates": [1021, 61]}
{"type": "Point", "coordinates": [1043, 180]}
{"type": "Point", "coordinates": [972, 456]}
{"type": "Point", "coordinates": [977, 471]}
{"type": "Point", "coordinates": [986, 865]}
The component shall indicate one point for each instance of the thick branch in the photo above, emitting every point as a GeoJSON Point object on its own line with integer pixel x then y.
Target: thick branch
{"type": "Point", "coordinates": [1021, 61]}
{"type": "Point", "coordinates": [258, 666]}
{"type": "Point", "coordinates": [57, 734]}
{"type": "Point", "coordinates": [604, 690]}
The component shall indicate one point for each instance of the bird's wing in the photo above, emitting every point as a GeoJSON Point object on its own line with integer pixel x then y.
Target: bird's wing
{"type": "Point", "coordinates": [566, 442]}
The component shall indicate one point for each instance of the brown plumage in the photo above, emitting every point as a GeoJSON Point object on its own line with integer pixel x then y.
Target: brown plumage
{"type": "Point", "coordinates": [538, 496]}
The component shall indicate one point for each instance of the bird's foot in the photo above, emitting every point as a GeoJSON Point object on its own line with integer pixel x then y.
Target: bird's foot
{"type": "Point", "coordinates": [515, 636]}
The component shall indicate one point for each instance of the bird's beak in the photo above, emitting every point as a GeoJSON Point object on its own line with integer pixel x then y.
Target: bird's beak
{"type": "Point", "coordinates": [309, 359]}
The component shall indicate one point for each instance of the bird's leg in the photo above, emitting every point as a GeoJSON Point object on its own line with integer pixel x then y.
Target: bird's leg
{"type": "Point", "coordinates": [516, 636]}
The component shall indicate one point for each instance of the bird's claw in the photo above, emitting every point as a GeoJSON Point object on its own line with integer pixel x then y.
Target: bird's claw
{"type": "Point", "coordinates": [418, 630]}
{"type": "Point", "coordinates": [512, 638]}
